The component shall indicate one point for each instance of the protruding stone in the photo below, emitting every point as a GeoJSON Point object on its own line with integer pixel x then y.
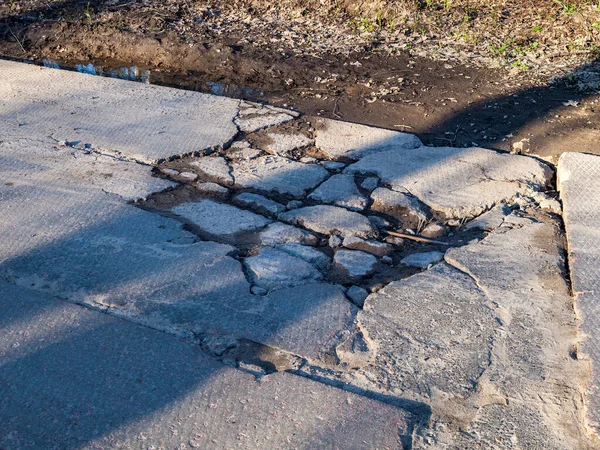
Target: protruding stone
{"type": "Point", "coordinates": [370, 183]}
{"type": "Point", "coordinates": [423, 260]}
{"type": "Point", "coordinates": [340, 190]}
{"type": "Point", "coordinates": [369, 245]}
{"type": "Point", "coordinates": [433, 230]}
{"type": "Point", "coordinates": [397, 204]}
{"type": "Point", "coordinates": [278, 174]}
{"type": "Point", "coordinates": [335, 241]}
{"type": "Point", "coordinates": [213, 168]}
{"type": "Point", "coordinates": [220, 219]}
{"type": "Point", "coordinates": [309, 254]}
{"type": "Point", "coordinates": [169, 171]}
{"type": "Point", "coordinates": [490, 220]}
{"type": "Point", "coordinates": [357, 295]}
{"type": "Point", "coordinates": [354, 264]}
{"type": "Point", "coordinates": [257, 290]}
{"type": "Point", "coordinates": [348, 140]}
{"type": "Point", "coordinates": [282, 143]}
{"type": "Point", "coordinates": [329, 220]}
{"type": "Point", "coordinates": [188, 176]}
{"type": "Point", "coordinates": [280, 233]}
{"type": "Point", "coordinates": [259, 203]}
{"type": "Point", "coordinates": [274, 269]}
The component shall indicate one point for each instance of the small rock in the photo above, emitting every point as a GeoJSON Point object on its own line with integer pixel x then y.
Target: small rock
{"type": "Point", "coordinates": [397, 204]}
{"type": "Point", "coordinates": [453, 223]}
{"type": "Point", "coordinates": [280, 233]}
{"type": "Point", "coordinates": [294, 204]}
{"type": "Point", "coordinates": [335, 241]}
{"type": "Point", "coordinates": [423, 260]}
{"type": "Point", "coordinates": [370, 183]}
{"type": "Point", "coordinates": [308, 160]}
{"type": "Point", "coordinates": [340, 190]}
{"type": "Point", "coordinates": [170, 172]}
{"type": "Point", "coordinates": [257, 290]}
{"type": "Point", "coordinates": [357, 295]}
{"type": "Point", "coordinates": [273, 269]}
{"type": "Point", "coordinates": [326, 219]}
{"type": "Point", "coordinates": [259, 203]}
{"type": "Point", "coordinates": [354, 263]}
{"type": "Point", "coordinates": [370, 245]}
{"type": "Point", "coordinates": [188, 176]}
{"type": "Point", "coordinates": [433, 230]}
{"type": "Point", "coordinates": [213, 168]}
{"type": "Point", "coordinates": [387, 260]}
{"type": "Point", "coordinates": [394, 240]}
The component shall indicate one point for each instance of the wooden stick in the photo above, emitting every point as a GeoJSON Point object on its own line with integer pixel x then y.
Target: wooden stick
{"type": "Point", "coordinates": [416, 238]}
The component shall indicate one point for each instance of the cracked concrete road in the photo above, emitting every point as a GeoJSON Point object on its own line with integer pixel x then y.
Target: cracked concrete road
{"type": "Point", "coordinates": [183, 270]}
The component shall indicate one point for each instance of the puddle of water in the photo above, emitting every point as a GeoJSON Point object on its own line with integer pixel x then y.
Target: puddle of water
{"type": "Point", "coordinates": [134, 73]}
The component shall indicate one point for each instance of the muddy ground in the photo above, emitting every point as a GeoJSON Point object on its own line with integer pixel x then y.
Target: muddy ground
{"type": "Point", "coordinates": [443, 101]}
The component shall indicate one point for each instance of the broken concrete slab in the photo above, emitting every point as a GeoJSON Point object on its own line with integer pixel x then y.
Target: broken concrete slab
{"type": "Point", "coordinates": [259, 203]}
{"type": "Point", "coordinates": [275, 269]}
{"type": "Point", "coordinates": [280, 233]}
{"type": "Point", "coordinates": [326, 219]}
{"type": "Point", "coordinates": [354, 264]}
{"type": "Point", "coordinates": [253, 117]}
{"type": "Point", "coordinates": [212, 189]}
{"type": "Point", "coordinates": [134, 387]}
{"type": "Point", "coordinates": [432, 331]}
{"type": "Point", "coordinates": [457, 182]}
{"type": "Point", "coordinates": [349, 140]}
{"type": "Point", "coordinates": [367, 245]}
{"type": "Point", "coordinates": [278, 174]}
{"type": "Point", "coordinates": [219, 219]}
{"type": "Point", "coordinates": [398, 205]}
{"type": "Point", "coordinates": [283, 143]}
{"type": "Point", "coordinates": [104, 113]}
{"type": "Point", "coordinates": [423, 260]}
{"type": "Point", "coordinates": [340, 190]}
{"type": "Point", "coordinates": [579, 186]}
{"type": "Point", "coordinates": [213, 168]}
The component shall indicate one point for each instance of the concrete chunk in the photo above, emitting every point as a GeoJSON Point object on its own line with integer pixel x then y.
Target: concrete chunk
{"type": "Point", "coordinates": [309, 254]}
{"type": "Point", "coordinates": [367, 245]}
{"type": "Point", "coordinates": [259, 203]}
{"type": "Point", "coordinates": [398, 204]}
{"type": "Point", "coordinates": [213, 168]}
{"type": "Point", "coordinates": [348, 140]}
{"type": "Point", "coordinates": [220, 219]}
{"type": "Point", "coordinates": [457, 182]}
{"type": "Point", "coordinates": [280, 233]}
{"type": "Point", "coordinates": [278, 174]}
{"type": "Point", "coordinates": [274, 269]}
{"type": "Point", "coordinates": [329, 220]}
{"type": "Point", "coordinates": [340, 190]}
{"type": "Point", "coordinates": [283, 143]}
{"type": "Point", "coordinates": [354, 264]}
{"type": "Point", "coordinates": [423, 260]}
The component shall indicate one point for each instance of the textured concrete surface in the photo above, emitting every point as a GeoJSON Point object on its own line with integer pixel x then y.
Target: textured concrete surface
{"type": "Point", "coordinates": [138, 121]}
{"type": "Point", "coordinates": [458, 182]}
{"type": "Point", "coordinates": [74, 378]}
{"type": "Point", "coordinates": [579, 186]}
{"type": "Point", "coordinates": [482, 347]}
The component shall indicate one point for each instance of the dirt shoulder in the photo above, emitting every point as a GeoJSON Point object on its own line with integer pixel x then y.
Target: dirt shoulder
{"type": "Point", "coordinates": [393, 70]}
